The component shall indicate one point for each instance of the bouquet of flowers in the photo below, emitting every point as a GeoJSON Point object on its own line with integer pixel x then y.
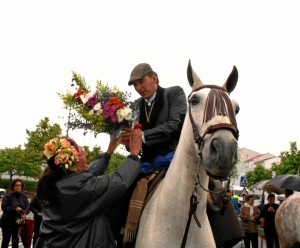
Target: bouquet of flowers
{"type": "Point", "coordinates": [107, 109]}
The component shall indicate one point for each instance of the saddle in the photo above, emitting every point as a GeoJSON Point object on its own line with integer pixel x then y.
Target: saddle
{"type": "Point", "coordinates": [142, 193]}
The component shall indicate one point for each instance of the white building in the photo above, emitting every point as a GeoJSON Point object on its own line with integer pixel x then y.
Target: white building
{"type": "Point", "coordinates": [248, 159]}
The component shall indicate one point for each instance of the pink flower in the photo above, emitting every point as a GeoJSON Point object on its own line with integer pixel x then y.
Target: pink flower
{"type": "Point", "coordinates": [92, 101]}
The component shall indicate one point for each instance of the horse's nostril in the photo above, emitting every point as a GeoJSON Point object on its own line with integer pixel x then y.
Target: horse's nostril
{"type": "Point", "coordinates": [214, 149]}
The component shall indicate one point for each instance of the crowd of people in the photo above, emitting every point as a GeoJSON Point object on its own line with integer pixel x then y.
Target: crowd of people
{"type": "Point", "coordinates": [77, 205]}
{"type": "Point", "coordinates": [252, 217]}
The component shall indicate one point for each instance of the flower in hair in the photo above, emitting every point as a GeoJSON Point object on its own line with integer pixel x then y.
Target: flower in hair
{"type": "Point", "coordinates": [65, 155]}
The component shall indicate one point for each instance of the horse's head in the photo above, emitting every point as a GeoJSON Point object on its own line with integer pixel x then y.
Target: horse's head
{"type": "Point", "coordinates": [212, 115]}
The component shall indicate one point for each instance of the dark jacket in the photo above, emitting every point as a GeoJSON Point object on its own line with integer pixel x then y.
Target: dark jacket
{"type": "Point", "coordinates": [163, 130]}
{"type": "Point", "coordinates": [79, 220]}
{"type": "Point", "coordinates": [269, 217]}
{"type": "Point", "coordinates": [9, 204]}
{"type": "Point", "coordinates": [36, 208]}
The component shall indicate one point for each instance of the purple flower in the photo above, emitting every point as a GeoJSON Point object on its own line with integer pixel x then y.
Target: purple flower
{"type": "Point", "coordinates": [109, 111]}
{"type": "Point", "coordinates": [92, 101]}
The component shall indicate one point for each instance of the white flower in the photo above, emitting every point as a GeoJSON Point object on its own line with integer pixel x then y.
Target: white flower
{"type": "Point", "coordinates": [85, 97]}
{"type": "Point", "coordinates": [97, 107]}
{"type": "Point", "coordinates": [124, 113]}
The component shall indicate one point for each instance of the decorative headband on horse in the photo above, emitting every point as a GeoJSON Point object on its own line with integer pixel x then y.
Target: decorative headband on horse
{"type": "Point", "coordinates": [217, 103]}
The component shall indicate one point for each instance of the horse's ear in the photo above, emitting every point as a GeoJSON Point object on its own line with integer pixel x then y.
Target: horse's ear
{"type": "Point", "coordinates": [193, 79]}
{"type": "Point", "coordinates": [231, 81]}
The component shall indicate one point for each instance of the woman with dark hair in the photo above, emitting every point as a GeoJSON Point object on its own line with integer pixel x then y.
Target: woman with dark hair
{"type": "Point", "coordinates": [15, 207]}
{"type": "Point", "coordinates": [74, 196]}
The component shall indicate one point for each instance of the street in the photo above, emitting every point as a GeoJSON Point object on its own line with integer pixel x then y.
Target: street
{"type": "Point", "coordinates": [261, 240]}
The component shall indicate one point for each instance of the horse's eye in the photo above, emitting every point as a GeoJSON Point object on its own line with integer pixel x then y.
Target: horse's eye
{"type": "Point", "coordinates": [194, 100]}
{"type": "Point", "coordinates": [237, 109]}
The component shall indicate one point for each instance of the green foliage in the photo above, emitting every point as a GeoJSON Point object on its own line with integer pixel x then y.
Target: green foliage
{"type": "Point", "coordinates": [13, 161]}
{"type": "Point", "coordinates": [35, 145]}
{"type": "Point", "coordinates": [19, 162]}
{"type": "Point", "coordinates": [116, 160]}
{"type": "Point", "coordinates": [5, 184]}
{"type": "Point", "coordinates": [92, 154]}
{"type": "Point", "coordinates": [290, 161]}
{"type": "Point", "coordinates": [259, 173]}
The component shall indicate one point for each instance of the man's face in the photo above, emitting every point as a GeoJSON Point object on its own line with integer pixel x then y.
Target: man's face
{"type": "Point", "coordinates": [147, 86]}
{"type": "Point", "coordinates": [271, 200]}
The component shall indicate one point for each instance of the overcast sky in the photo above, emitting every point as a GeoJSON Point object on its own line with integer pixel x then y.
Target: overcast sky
{"type": "Point", "coordinates": [42, 42]}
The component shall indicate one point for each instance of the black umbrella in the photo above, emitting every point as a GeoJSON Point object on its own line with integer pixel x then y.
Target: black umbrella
{"type": "Point", "coordinates": [265, 185]}
{"type": "Point", "coordinates": [286, 181]}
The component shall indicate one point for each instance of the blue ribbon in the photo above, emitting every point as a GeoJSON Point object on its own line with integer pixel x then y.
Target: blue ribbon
{"type": "Point", "coordinates": [160, 162]}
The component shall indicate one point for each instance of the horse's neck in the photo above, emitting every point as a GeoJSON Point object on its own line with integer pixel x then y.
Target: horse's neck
{"type": "Point", "coordinates": [180, 179]}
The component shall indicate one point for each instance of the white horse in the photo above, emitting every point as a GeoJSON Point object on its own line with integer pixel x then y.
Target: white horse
{"type": "Point", "coordinates": [207, 148]}
{"type": "Point", "coordinates": [287, 221]}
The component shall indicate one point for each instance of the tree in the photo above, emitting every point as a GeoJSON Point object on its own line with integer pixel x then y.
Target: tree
{"type": "Point", "coordinates": [259, 173]}
{"type": "Point", "coordinates": [92, 154]}
{"type": "Point", "coordinates": [35, 146]}
{"type": "Point", "coordinates": [290, 161]}
{"type": "Point", "coordinates": [12, 161]}
{"type": "Point", "coordinates": [114, 163]}
{"type": "Point", "coordinates": [116, 160]}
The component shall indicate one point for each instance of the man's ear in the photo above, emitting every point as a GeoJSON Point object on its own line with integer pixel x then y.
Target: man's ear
{"type": "Point", "coordinates": [154, 78]}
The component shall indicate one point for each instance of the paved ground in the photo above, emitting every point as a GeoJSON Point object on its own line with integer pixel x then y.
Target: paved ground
{"type": "Point", "coordinates": [261, 241]}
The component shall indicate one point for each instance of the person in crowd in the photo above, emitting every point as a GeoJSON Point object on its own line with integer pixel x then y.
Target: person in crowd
{"type": "Point", "coordinates": [36, 209]}
{"type": "Point", "coordinates": [74, 196]}
{"type": "Point", "coordinates": [234, 200]}
{"type": "Point", "coordinates": [288, 192]}
{"type": "Point", "coordinates": [161, 115]}
{"type": "Point", "coordinates": [268, 213]}
{"type": "Point", "coordinates": [15, 207]}
{"type": "Point", "coordinates": [249, 215]}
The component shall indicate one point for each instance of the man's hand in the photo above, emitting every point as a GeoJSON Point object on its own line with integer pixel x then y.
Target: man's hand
{"type": "Point", "coordinates": [135, 143]}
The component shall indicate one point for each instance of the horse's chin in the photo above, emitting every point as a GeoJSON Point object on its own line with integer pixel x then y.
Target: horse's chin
{"type": "Point", "coordinates": [218, 177]}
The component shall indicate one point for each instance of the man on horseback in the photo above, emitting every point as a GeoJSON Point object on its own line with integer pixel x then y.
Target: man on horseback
{"type": "Point", "coordinates": [161, 115]}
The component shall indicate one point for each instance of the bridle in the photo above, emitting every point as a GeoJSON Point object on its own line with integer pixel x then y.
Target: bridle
{"type": "Point", "coordinates": [217, 95]}
{"type": "Point", "coordinates": [217, 103]}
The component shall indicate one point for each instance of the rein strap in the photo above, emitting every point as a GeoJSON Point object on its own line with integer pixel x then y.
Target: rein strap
{"type": "Point", "coordinates": [193, 207]}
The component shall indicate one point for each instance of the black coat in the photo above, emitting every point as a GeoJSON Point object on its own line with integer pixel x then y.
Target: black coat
{"type": "Point", "coordinates": [9, 204]}
{"type": "Point", "coordinates": [79, 220]}
{"type": "Point", "coordinates": [163, 129]}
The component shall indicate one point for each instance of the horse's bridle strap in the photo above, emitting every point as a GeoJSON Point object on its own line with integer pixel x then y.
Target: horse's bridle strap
{"type": "Point", "coordinates": [229, 126]}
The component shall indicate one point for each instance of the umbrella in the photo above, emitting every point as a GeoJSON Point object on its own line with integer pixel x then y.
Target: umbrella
{"type": "Point", "coordinates": [286, 181]}
{"type": "Point", "coordinates": [265, 185]}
